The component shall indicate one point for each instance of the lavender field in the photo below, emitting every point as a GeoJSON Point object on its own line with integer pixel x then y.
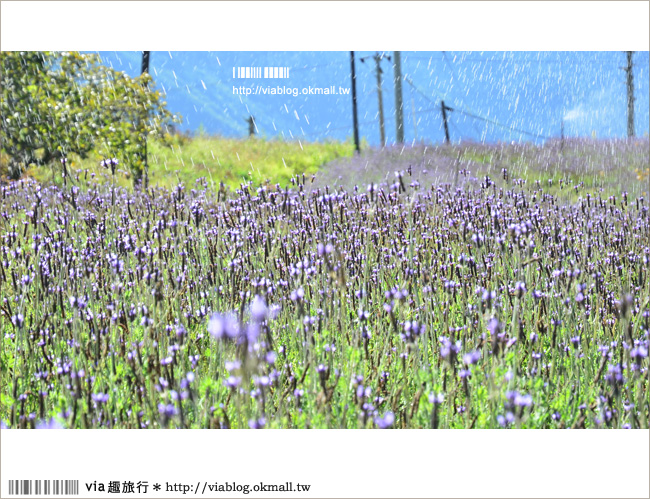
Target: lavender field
{"type": "Point", "coordinates": [499, 288]}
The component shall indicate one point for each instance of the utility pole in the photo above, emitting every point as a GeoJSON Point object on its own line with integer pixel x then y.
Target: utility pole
{"type": "Point", "coordinates": [378, 57]}
{"type": "Point", "coordinates": [382, 132]}
{"type": "Point", "coordinates": [444, 118]}
{"type": "Point", "coordinates": [399, 108]}
{"type": "Point", "coordinates": [145, 62]}
{"type": "Point", "coordinates": [630, 95]}
{"type": "Point", "coordinates": [355, 119]}
{"type": "Point", "coordinates": [145, 69]}
{"type": "Point", "coordinates": [562, 135]}
{"type": "Point", "coordinates": [251, 125]}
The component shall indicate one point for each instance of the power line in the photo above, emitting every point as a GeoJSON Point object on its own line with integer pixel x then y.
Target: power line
{"type": "Point", "coordinates": [502, 125]}
{"type": "Point", "coordinates": [451, 68]}
{"type": "Point", "coordinates": [428, 110]}
{"type": "Point", "coordinates": [327, 130]}
{"type": "Point", "coordinates": [309, 68]}
{"type": "Point", "coordinates": [410, 82]}
{"type": "Point", "coordinates": [372, 55]}
{"type": "Point", "coordinates": [476, 116]}
{"type": "Point", "coordinates": [460, 134]}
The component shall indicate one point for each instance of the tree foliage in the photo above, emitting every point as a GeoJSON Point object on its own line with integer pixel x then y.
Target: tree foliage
{"type": "Point", "coordinates": [58, 103]}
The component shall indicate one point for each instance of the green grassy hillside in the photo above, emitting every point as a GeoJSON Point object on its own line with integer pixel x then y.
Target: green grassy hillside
{"type": "Point", "coordinates": [219, 159]}
{"type": "Point", "coordinates": [606, 167]}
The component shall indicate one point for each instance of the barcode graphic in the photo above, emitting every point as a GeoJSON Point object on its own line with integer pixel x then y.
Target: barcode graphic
{"type": "Point", "coordinates": [260, 72]}
{"type": "Point", "coordinates": [43, 487]}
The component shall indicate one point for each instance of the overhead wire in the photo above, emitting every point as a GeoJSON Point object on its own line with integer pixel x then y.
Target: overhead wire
{"type": "Point", "coordinates": [475, 116]}
{"type": "Point", "coordinates": [463, 58]}
{"type": "Point", "coordinates": [346, 127]}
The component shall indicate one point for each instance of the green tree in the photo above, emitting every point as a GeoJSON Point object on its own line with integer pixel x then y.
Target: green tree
{"type": "Point", "coordinates": [57, 103]}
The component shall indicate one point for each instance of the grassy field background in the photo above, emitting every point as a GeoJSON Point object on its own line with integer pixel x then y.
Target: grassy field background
{"type": "Point", "coordinates": [218, 159]}
{"type": "Point", "coordinates": [615, 166]}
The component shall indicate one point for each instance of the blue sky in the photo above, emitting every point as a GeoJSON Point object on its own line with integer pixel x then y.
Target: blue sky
{"type": "Point", "coordinates": [496, 96]}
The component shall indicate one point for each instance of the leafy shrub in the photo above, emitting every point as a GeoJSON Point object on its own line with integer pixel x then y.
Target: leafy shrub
{"type": "Point", "coordinates": [58, 103]}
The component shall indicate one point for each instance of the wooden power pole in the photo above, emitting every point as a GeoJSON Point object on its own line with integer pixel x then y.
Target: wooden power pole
{"type": "Point", "coordinates": [444, 119]}
{"type": "Point", "coordinates": [251, 125]}
{"type": "Point", "coordinates": [145, 62]}
{"type": "Point", "coordinates": [355, 119]}
{"type": "Point", "coordinates": [145, 69]}
{"type": "Point", "coordinates": [382, 132]}
{"type": "Point", "coordinates": [630, 95]}
{"type": "Point", "coordinates": [399, 107]}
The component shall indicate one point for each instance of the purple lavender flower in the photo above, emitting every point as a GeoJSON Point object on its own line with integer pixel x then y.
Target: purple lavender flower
{"type": "Point", "coordinates": [495, 326]}
{"type": "Point", "coordinates": [520, 289]}
{"type": "Point", "coordinates": [50, 424]}
{"type": "Point", "coordinates": [107, 163]}
{"type": "Point", "coordinates": [232, 381]}
{"type": "Point", "coordinates": [270, 358]}
{"type": "Point", "coordinates": [523, 400]}
{"type": "Point", "coordinates": [297, 295]}
{"type": "Point", "coordinates": [639, 353]}
{"type": "Point", "coordinates": [259, 310]}
{"type": "Point", "coordinates": [436, 398]}
{"type": "Point", "coordinates": [232, 365]}
{"type": "Point", "coordinates": [363, 392]}
{"type": "Point", "coordinates": [386, 421]}
{"type": "Point", "coordinates": [447, 347]}
{"type": "Point", "coordinates": [167, 410]}
{"type": "Point", "coordinates": [252, 332]}
{"type": "Point", "coordinates": [472, 357]}
{"type": "Point", "coordinates": [261, 381]}
{"type": "Point", "coordinates": [100, 398]}
{"type": "Point", "coordinates": [488, 297]}
{"type": "Point", "coordinates": [510, 396]}
{"type": "Point", "coordinates": [18, 320]}
{"type": "Point", "coordinates": [224, 326]}
{"type": "Point", "coordinates": [257, 424]}
{"type": "Point", "coordinates": [614, 375]}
